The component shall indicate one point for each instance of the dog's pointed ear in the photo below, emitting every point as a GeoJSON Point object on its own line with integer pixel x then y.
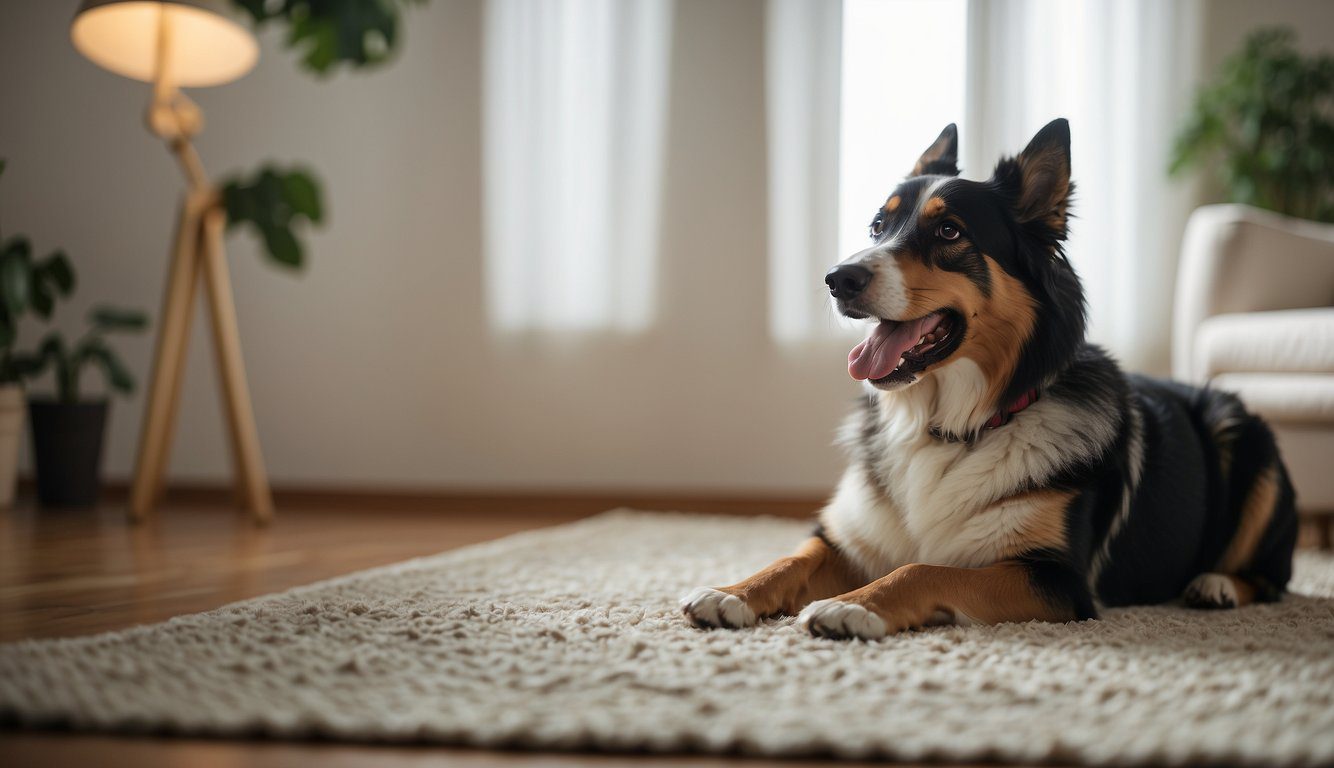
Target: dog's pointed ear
{"type": "Point", "coordinates": [1040, 177]}
{"type": "Point", "coordinates": [942, 157]}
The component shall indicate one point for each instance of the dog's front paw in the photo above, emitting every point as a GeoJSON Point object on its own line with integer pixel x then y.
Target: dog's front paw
{"type": "Point", "coordinates": [839, 619]}
{"type": "Point", "coordinates": [706, 607]}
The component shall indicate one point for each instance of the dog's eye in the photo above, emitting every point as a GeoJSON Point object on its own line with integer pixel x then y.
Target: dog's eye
{"type": "Point", "coordinates": [948, 231]}
{"type": "Point", "coordinates": [877, 227]}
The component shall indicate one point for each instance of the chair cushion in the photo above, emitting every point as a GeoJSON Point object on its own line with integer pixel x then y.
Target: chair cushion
{"type": "Point", "coordinates": [1284, 341]}
{"type": "Point", "coordinates": [1283, 397]}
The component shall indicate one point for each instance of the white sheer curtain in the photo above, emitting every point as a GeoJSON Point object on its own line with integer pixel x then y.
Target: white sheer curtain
{"type": "Point", "coordinates": [892, 108]}
{"type": "Point", "coordinates": [1121, 72]}
{"type": "Point", "coordinates": [575, 95]}
{"type": "Point", "coordinates": [843, 130]}
{"type": "Point", "coordinates": [802, 92]}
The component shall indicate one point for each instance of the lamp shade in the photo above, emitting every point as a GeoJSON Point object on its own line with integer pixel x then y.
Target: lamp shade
{"type": "Point", "coordinates": [202, 41]}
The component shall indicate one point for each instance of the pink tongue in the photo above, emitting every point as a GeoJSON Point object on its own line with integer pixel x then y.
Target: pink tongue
{"type": "Point", "coordinates": [877, 357]}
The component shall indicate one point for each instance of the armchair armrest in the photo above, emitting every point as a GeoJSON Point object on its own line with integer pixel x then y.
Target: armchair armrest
{"type": "Point", "coordinates": [1236, 258]}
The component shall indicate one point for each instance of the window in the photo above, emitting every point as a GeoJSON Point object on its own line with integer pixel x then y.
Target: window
{"type": "Point", "coordinates": [575, 94]}
{"type": "Point", "coordinates": [904, 73]}
{"type": "Point", "coordinates": [855, 93]}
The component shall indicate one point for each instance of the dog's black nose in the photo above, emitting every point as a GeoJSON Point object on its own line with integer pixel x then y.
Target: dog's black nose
{"type": "Point", "coordinates": [847, 281]}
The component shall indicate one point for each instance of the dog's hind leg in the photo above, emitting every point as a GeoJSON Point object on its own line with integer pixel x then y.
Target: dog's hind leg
{"type": "Point", "coordinates": [1256, 563]}
{"type": "Point", "coordinates": [1218, 590]}
{"type": "Point", "coordinates": [815, 571]}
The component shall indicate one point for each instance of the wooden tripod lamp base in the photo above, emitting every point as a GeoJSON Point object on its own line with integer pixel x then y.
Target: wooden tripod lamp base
{"type": "Point", "coordinates": [174, 44]}
{"type": "Point", "coordinates": [198, 258]}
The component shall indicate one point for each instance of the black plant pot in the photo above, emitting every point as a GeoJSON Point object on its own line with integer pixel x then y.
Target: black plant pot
{"type": "Point", "coordinates": [67, 451]}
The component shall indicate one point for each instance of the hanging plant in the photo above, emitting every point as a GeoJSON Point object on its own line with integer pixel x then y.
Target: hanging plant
{"type": "Point", "coordinates": [360, 33]}
{"type": "Point", "coordinates": [326, 33]}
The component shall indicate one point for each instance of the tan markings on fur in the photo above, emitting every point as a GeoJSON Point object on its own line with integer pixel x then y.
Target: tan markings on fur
{"type": "Point", "coordinates": [813, 572]}
{"type": "Point", "coordinates": [910, 596]}
{"type": "Point", "coordinates": [1245, 592]}
{"type": "Point", "coordinates": [1044, 526]}
{"type": "Point", "coordinates": [1224, 454]}
{"type": "Point", "coordinates": [893, 204]}
{"type": "Point", "coordinates": [932, 154]}
{"type": "Point", "coordinates": [934, 207]}
{"type": "Point", "coordinates": [998, 325]}
{"type": "Point", "coordinates": [1224, 443]}
{"type": "Point", "coordinates": [1256, 511]}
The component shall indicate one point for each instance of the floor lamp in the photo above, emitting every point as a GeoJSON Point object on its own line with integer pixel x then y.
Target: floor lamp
{"type": "Point", "coordinates": [175, 44]}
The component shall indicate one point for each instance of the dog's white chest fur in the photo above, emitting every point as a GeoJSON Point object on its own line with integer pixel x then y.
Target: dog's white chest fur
{"type": "Point", "coordinates": [917, 498]}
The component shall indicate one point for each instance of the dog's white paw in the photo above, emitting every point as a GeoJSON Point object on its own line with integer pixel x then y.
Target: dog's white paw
{"type": "Point", "coordinates": [706, 607]}
{"type": "Point", "coordinates": [1210, 590]}
{"type": "Point", "coordinates": [835, 618]}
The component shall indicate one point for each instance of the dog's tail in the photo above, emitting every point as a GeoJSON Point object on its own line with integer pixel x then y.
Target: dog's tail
{"type": "Point", "coordinates": [1257, 505]}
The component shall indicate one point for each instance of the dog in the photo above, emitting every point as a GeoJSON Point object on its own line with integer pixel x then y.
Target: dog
{"type": "Point", "coordinates": [1004, 469]}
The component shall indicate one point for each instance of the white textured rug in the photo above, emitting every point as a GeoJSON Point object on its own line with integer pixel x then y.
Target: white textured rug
{"type": "Point", "coordinates": [570, 638]}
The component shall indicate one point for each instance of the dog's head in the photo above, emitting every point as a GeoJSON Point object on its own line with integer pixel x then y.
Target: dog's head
{"type": "Point", "coordinates": [966, 273]}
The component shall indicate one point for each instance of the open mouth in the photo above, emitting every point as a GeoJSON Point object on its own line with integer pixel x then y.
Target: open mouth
{"type": "Point", "coordinates": [898, 350]}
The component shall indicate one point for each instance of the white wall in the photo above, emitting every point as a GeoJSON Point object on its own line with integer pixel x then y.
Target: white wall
{"type": "Point", "coordinates": [375, 367]}
{"type": "Point", "coordinates": [1228, 22]}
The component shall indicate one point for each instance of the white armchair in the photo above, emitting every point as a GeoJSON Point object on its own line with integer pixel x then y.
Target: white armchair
{"type": "Point", "coordinates": [1255, 315]}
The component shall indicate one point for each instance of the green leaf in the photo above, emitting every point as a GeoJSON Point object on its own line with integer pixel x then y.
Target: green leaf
{"type": "Point", "coordinates": [321, 42]}
{"type": "Point", "coordinates": [325, 33]}
{"type": "Point", "coordinates": [282, 246]}
{"type": "Point", "coordinates": [58, 270]}
{"type": "Point", "coordinates": [16, 278]}
{"type": "Point", "coordinates": [26, 366]}
{"type": "Point", "coordinates": [41, 300]}
{"type": "Point", "coordinates": [52, 347]}
{"type": "Point", "coordinates": [303, 195]}
{"type": "Point", "coordinates": [269, 201]}
{"type": "Point", "coordinates": [117, 319]}
{"type": "Point", "coordinates": [16, 247]}
{"type": "Point", "coordinates": [118, 376]}
{"type": "Point", "coordinates": [255, 8]}
{"type": "Point", "coordinates": [238, 203]}
{"type": "Point", "coordinates": [51, 352]}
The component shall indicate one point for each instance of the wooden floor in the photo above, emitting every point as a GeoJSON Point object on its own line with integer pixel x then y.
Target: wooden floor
{"type": "Point", "coordinates": [69, 572]}
{"type": "Point", "coordinates": [66, 573]}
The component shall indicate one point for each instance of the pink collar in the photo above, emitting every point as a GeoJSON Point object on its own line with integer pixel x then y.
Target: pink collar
{"type": "Point", "coordinates": [998, 419]}
{"type": "Point", "coordinates": [1002, 417]}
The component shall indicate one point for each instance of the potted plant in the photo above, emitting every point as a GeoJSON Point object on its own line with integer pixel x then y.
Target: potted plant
{"type": "Point", "coordinates": [67, 429]}
{"type": "Point", "coordinates": [1265, 126]}
{"type": "Point", "coordinates": [25, 284]}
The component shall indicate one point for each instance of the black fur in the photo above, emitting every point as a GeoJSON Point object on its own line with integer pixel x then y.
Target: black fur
{"type": "Point", "coordinates": [1188, 505]}
{"type": "Point", "coordinates": [1030, 250]}
{"type": "Point", "coordinates": [1057, 578]}
{"type": "Point", "coordinates": [820, 533]}
{"type": "Point", "coordinates": [1187, 458]}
